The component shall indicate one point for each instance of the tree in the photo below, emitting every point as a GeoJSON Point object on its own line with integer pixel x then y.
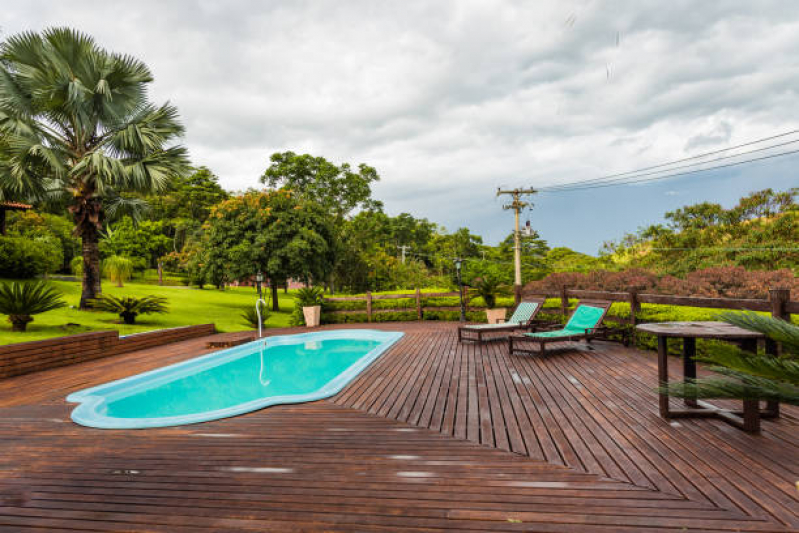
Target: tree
{"type": "Point", "coordinates": [278, 233]}
{"type": "Point", "coordinates": [76, 120]}
{"type": "Point", "coordinates": [188, 197]}
{"type": "Point", "coordinates": [338, 189]}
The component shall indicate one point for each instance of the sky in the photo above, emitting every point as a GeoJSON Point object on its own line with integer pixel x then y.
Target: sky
{"type": "Point", "coordinates": [449, 100]}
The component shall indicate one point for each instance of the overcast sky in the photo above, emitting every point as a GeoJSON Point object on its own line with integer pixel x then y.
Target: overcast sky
{"type": "Point", "coordinates": [449, 100]}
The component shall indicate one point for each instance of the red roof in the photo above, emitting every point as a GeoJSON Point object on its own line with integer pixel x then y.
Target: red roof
{"type": "Point", "coordinates": [14, 205]}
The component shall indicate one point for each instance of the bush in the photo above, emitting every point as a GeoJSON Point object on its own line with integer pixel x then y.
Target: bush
{"type": "Point", "coordinates": [76, 266]}
{"type": "Point", "coordinates": [118, 269]}
{"type": "Point", "coordinates": [22, 300]}
{"type": "Point", "coordinates": [23, 258]}
{"type": "Point", "coordinates": [128, 307]}
{"type": "Point", "coordinates": [716, 282]}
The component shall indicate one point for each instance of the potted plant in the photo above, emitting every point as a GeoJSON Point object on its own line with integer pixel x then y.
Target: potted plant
{"type": "Point", "coordinates": [310, 299]}
{"type": "Point", "coordinates": [20, 301]}
{"type": "Point", "coordinates": [489, 288]}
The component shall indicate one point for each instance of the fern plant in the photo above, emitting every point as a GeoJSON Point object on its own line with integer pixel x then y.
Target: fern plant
{"type": "Point", "coordinates": [20, 301]}
{"type": "Point", "coordinates": [746, 375]}
{"type": "Point", "coordinates": [129, 307]}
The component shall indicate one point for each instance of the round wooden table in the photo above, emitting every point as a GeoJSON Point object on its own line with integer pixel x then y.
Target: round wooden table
{"type": "Point", "coordinates": [749, 417]}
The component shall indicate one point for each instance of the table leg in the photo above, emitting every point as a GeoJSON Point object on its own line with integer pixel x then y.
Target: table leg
{"type": "Point", "coordinates": [689, 365]}
{"type": "Point", "coordinates": [663, 374]}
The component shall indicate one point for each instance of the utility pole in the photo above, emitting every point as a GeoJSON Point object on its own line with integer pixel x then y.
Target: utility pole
{"type": "Point", "coordinates": [403, 248]}
{"type": "Point", "coordinates": [517, 205]}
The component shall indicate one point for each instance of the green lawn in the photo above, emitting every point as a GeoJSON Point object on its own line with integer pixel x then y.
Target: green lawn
{"type": "Point", "coordinates": [187, 306]}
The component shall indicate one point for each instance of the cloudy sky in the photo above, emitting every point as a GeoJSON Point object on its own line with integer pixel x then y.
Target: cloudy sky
{"type": "Point", "coordinates": [451, 99]}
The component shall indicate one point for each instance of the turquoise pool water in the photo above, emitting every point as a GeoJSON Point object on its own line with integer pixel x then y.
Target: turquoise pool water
{"type": "Point", "coordinates": [285, 369]}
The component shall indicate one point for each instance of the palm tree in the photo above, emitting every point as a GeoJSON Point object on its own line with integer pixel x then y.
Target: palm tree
{"type": "Point", "coordinates": [76, 122]}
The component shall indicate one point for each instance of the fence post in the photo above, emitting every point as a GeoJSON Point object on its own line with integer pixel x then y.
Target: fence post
{"type": "Point", "coordinates": [418, 303]}
{"type": "Point", "coordinates": [368, 306]}
{"type": "Point", "coordinates": [779, 297]}
{"type": "Point", "coordinates": [564, 301]}
{"type": "Point", "coordinates": [635, 305]}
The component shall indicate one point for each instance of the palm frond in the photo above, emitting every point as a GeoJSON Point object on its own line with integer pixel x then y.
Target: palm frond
{"type": "Point", "coordinates": [778, 330]}
{"type": "Point", "coordinates": [29, 298]}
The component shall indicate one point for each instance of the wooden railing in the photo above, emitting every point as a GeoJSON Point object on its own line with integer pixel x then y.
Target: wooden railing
{"type": "Point", "coordinates": [778, 303]}
{"type": "Point", "coordinates": [369, 298]}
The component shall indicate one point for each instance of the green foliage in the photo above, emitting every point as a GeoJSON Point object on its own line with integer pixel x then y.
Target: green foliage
{"type": "Point", "coordinates": [489, 288]}
{"type": "Point", "coordinates": [747, 375]}
{"type": "Point", "coordinates": [129, 307]}
{"type": "Point", "coordinates": [275, 232]}
{"type": "Point", "coordinates": [76, 266]}
{"type": "Point", "coordinates": [118, 269]}
{"type": "Point", "coordinates": [309, 296]}
{"type": "Point", "coordinates": [339, 189]}
{"type": "Point", "coordinates": [188, 197]}
{"type": "Point", "coordinates": [76, 123]}
{"type": "Point", "coordinates": [250, 316]}
{"type": "Point", "coordinates": [56, 230]}
{"type": "Point", "coordinates": [758, 234]}
{"type": "Point", "coordinates": [22, 258]}
{"type": "Point", "coordinates": [146, 240]}
{"type": "Point", "coordinates": [22, 300]}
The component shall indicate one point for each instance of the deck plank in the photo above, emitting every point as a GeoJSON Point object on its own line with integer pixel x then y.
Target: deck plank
{"type": "Point", "coordinates": [433, 436]}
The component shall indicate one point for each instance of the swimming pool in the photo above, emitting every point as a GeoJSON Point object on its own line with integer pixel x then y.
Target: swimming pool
{"type": "Point", "coordinates": [275, 370]}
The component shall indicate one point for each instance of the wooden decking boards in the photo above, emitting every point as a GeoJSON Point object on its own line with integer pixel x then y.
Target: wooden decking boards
{"type": "Point", "coordinates": [434, 436]}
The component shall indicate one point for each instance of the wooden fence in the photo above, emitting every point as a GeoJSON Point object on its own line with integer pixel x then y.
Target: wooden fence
{"type": "Point", "coordinates": [369, 298]}
{"type": "Point", "coordinates": [778, 303]}
{"type": "Point", "coordinates": [27, 357]}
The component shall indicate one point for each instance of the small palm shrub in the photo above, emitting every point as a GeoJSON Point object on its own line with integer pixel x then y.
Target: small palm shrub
{"type": "Point", "coordinates": [309, 296]}
{"type": "Point", "coordinates": [129, 307]}
{"type": "Point", "coordinates": [20, 301]}
{"type": "Point", "coordinates": [118, 269]}
{"type": "Point", "coordinates": [750, 376]}
{"type": "Point", "coordinates": [489, 288]}
{"type": "Point", "coordinates": [250, 317]}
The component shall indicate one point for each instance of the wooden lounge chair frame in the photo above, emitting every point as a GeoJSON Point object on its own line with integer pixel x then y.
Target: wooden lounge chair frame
{"type": "Point", "coordinates": [500, 328]}
{"type": "Point", "coordinates": [597, 331]}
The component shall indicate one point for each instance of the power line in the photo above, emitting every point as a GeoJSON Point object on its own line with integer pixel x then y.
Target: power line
{"type": "Point", "coordinates": [671, 163]}
{"type": "Point", "coordinates": [641, 175]}
{"type": "Point", "coordinates": [656, 178]}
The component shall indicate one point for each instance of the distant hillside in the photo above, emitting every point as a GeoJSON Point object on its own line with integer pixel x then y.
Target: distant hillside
{"type": "Point", "coordinates": [760, 233]}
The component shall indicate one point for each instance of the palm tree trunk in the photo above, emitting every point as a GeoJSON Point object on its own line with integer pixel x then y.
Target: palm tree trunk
{"type": "Point", "coordinates": [91, 264]}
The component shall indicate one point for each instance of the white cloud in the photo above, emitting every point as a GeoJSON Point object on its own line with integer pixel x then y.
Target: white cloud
{"type": "Point", "coordinates": [450, 99]}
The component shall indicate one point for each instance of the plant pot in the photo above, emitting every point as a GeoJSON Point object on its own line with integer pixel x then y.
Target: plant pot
{"type": "Point", "coordinates": [312, 315]}
{"type": "Point", "coordinates": [496, 316]}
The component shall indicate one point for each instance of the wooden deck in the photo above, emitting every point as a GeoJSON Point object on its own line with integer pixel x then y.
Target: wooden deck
{"type": "Point", "coordinates": [433, 436]}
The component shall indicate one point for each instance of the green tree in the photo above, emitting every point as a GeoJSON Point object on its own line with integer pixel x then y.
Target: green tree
{"type": "Point", "coordinates": [147, 240]}
{"type": "Point", "coordinates": [339, 189]}
{"type": "Point", "coordinates": [76, 120]}
{"type": "Point", "coordinates": [281, 234]}
{"type": "Point", "coordinates": [188, 197]}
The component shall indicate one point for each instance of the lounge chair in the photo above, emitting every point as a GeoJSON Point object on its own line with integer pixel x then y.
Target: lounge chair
{"type": "Point", "coordinates": [522, 317]}
{"type": "Point", "coordinates": [584, 324]}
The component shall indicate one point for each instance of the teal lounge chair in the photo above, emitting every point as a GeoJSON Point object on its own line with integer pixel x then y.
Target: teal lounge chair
{"type": "Point", "coordinates": [522, 317]}
{"type": "Point", "coordinates": [584, 324]}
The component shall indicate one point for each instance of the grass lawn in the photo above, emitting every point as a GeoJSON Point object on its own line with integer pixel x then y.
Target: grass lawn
{"type": "Point", "coordinates": [187, 306]}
